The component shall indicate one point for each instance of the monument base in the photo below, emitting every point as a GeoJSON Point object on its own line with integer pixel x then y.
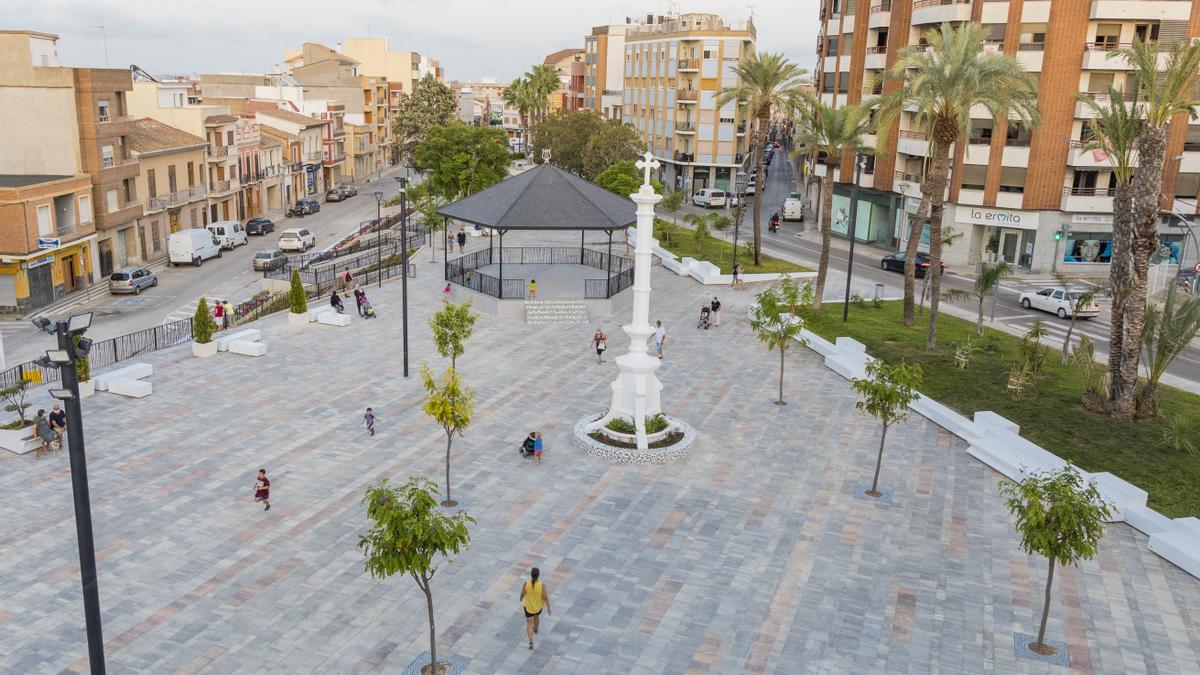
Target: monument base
{"type": "Point", "coordinates": [665, 446]}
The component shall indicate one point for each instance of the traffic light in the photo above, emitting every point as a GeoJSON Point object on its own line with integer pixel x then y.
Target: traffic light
{"type": "Point", "coordinates": [1058, 235]}
{"type": "Point", "coordinates": [1063, 230]}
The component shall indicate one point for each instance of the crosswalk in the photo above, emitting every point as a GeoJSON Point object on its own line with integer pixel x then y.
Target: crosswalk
{"type": "Point", "coordinates": [1057, 328]}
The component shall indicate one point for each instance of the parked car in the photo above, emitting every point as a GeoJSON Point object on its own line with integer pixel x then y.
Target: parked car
{"type": "Point", "coordinates": [793, 207]}
{"type": "Point", "coordinates": [267, 260]}
{"type": "Point", "coordinates": [260, 226]}
{"type": "Point", "coordinates": [1058, 301]}
{"type": "Point", "coordinates": [777, 144]}
{"type": "Point", "coordinates": [895, 263]}
{"type": "Point", "coordinates": [751, 186]}
{"type": "Point", "coordinates": [349, 190]}
{"type": "Point", "coordinates": [335, 195]}
{"type": "Point", "coordinates": [308, 205]}
{"type": "Point", "coordinates": [297, 239]}
{"type": "Point", "coordinates": [230, 233]}
{"type": "Point", "coordinates": [192, 246]}
{"type": "Point", "coordinates": [131, 280]}
{"type": "Point", "coordinates": [709, 198]}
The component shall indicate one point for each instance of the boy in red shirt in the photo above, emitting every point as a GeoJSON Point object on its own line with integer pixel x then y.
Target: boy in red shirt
{"type": "Point", "coordinates": [262, 489]}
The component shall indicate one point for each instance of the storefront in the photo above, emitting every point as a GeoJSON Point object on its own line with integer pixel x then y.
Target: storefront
{"type": "Point", "coordinates": [873, 218]}
{"type": "Point", "coordinates": [1086, 246]}
{"type": "Point", "coordinates": [39, 279]}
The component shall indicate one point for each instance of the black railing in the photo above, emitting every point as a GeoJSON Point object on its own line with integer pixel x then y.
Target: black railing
{"type": "Point", "coordinates": [600, 289]}
{"type": "Point", "coordinates": [464, 270]}
{"type": "Point", "coordinates": [114, 350]}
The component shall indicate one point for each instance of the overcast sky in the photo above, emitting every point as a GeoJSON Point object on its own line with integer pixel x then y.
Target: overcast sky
{"type": "Point", "coordinates": [471, 38]}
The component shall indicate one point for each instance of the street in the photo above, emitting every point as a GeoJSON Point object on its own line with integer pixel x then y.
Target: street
{"type": "Point", "coordinates": [180, 288]}
{"type": "Point", "coordinates": [801, 242]}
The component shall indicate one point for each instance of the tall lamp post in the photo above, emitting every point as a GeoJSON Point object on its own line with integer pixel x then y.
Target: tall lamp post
{"type": "Point", "coordinates": [72, 346]}
{"type": "Point", "coordinates": [378, 238]}
{"type": "Point", "coordinates": [859, 163]}
{"type": "Point", "coordinates": [404, 265]}
{"type": "Point", "coordinates": [739, 211]}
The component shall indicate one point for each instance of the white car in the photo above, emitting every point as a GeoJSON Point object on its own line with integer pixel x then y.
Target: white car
{"type": "Point", "coordinates": [1058, 301]}
{"type": "Point", "coordinates": [709, 198]}
{"type": "Point", "coordinates": [793, 207]}
{"type": "Point", "coordinates": [297, 239]}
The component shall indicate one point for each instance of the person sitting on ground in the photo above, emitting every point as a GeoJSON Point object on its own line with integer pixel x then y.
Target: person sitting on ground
{"type": "Point", "coordinates": [528, 443]}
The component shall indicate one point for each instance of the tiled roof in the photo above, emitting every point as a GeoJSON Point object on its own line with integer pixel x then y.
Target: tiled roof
{"type": "Point", "coordinates": [220, 119]}
{"type": "Point", "coordinates": [555, 57]}
{"type": "Point", "coordinates": [294, 118]}
{"type": "Point", "coordinates": [27, 179]}
{"type": "Point", "coordinates": [150, 135]}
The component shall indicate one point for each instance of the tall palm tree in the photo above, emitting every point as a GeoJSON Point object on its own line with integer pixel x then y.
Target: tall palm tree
{"type": "Point", "coordinates": [824, 130]}
{"type": "Point", "coordinates": [767, 82]}
{"type": "Point", "coordinates": [543, 82]}
{"type": "Point", "coordinates": [1165, 94]}
{"type": "Point", "coordinates": [519, 95]}
{"type": "Point", "coordinates": [941, 82]}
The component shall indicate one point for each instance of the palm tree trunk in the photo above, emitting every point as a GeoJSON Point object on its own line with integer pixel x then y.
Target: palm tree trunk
{"type": "Point", "coordinates": [910, 258]}
{"type": "Point", "coordinates": [979, 322]}
{"type": "Point", "coordinates": [826, 225]}
{"type": "Point", "coordinates": [1041, 638]}
{"type": "Point", "coordinates": [937, 209]}
{"type": "Point", "coordinates": [761, 140]}
{"type": "Point", "coordinates": [878, 463]}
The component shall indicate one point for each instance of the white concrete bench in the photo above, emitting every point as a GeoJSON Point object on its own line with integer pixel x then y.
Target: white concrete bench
{"type": "Point", "coordinates": [248, 334]}
{"type": "Point", "coordinates": [1122, 495]}
{"type": "Point", "coordinates": [817, 343]}
{"type": "Point", "coordinates": [944, 417]}
{"type": "Point", "coordinates": [248, 348]}
{"type": "Point", "coordinates": [1000, 446]}
{"type": "Point", "coordinates": [130, 387]}
{"type": "Point", "coordinates": [851, 358]}
{"type": "Point", "coordinates": [135, 371]}
{"type": "Point", "coordinates": [1180, 544]}
{"type": "Point", "coordinates": [333, 319]}
{"type": "Point", "coordinates": [315, 314]}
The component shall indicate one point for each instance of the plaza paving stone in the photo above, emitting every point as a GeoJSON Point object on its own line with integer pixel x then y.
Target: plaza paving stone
{"type": "Point", "coordinates": [751, 554]}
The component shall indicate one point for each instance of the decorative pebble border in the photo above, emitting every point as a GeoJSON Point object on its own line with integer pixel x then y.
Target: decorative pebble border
{"type": "Point", "coordinates": [457, 666]}
{"type": "Point", "coordinates": [632, 455]}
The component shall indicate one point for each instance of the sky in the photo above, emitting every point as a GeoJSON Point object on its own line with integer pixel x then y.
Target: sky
{"type": "Point", "coordinates": [471, 38]}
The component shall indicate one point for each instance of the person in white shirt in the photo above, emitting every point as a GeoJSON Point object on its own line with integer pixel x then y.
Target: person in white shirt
{"type": "Point", "coordinates": [660, 336]}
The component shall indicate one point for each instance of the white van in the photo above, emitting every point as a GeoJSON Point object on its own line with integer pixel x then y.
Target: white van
{"type": "Point", "coordinates": [709, 197]}
{"type": "Point", "coordinates": [230, 233]}
{"type": "Point", "coordinates": [192, 246]}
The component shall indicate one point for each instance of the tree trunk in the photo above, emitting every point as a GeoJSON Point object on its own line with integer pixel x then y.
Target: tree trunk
{"type": "Point", "coordinates": [449, 440]}
{"type": "Point", "coordinates": [878, 463]}
{"type": "Point", "coordinates": [764, 116]}
{"type": "Point", "coordinates": [910, 258]}
{"type": "Point", "coordinates": [979, 323]}
{"type": "Point", "coordinates": [432, 630]}
{"type": "Point", "coordinates": [1041, 638]}
{"type": "Point", "coordinates": [945, 134]}
{"type": "Point", "coordinates": [1066, 352]}
{"type": "Point", "coordinates": [781, 352]}
{"type": "Point", "coordinates": [826, 225]}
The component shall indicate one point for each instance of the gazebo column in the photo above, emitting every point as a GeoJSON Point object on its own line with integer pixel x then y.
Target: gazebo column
{"type": "Point", "coordinates": [490, 230]}
{"type": "Point", "coordinates": [581, 234]}
{"type": "Point", "coordinates": [501, 294]}
{"type": "Point", "coordinates": [445, 246]}
{"type": "Point", "coordinates": [608, 273]}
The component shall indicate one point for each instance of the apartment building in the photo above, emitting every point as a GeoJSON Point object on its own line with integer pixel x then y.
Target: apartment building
{"type": "Point", "coordinates": [604, 69]}
{"type": "Point", "coordinates": [570, 66]}
{"type": "Point", "coordinates": [47, 221]}
{"type": "Point", "coordinates": [224, 184]}
{"type": "Point", "coordinates": [1011, 191]}
{"type": "Point", "coordinates": [274, 172]}
{"type": "Point", "coordinates": [401, 68]}
{"type": "Point", "coordinates": [171, 181]}
{"type": "Point", "coordinates": [674, 68]}
{"type": "Point", "coordinates": [303, 140]}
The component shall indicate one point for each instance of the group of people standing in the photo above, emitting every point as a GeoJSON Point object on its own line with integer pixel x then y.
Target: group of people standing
{"type": "Point", "coordinates": [223, 314]}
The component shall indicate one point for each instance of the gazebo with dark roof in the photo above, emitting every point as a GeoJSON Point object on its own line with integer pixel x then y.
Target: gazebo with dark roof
{"type": "Point", "coordinates": [544, 198]}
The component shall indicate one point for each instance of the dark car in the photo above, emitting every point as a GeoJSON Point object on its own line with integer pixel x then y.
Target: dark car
{"type": "Point", "coordinates": [259, 226]}
{"type": "Point", "coordinates": [895, 263]}
{"type": "Point", "coordinates": [308, 205]}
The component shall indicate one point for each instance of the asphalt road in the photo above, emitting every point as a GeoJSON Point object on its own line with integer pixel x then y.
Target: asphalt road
{"type": "Point", "coordinates": [179, 289]}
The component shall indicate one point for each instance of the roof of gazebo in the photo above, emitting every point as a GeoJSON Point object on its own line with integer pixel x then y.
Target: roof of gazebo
{"type": "Point", "coordinates": [544, 198]}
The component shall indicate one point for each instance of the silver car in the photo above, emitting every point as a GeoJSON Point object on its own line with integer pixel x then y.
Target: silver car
{"type": "Point", "coordinates": [131, 280]}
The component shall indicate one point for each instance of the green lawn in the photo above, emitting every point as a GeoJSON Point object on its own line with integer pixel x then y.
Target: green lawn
{"type": "Point", "coordinates": [1050, 414]}
{"type": "Point", "coordinates": [720, 253]}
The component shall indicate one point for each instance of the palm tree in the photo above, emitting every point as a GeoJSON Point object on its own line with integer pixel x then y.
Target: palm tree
{"type": "Point", "coordinates": [543, 82]}
{"type": "Point", "coordinates": [825, 130]}
{"type": "Point", "coordinates": [1168, 332]}
{"type": "Point", "coordinates": [699, 223]}
{"type": "Point", "coordinates": [1079, 300]}
{"type": "Point", "coordinates": [987, 283]}
{"type": "Point", "coordinates": [1166, 93]}
{"type": "Point", "coordinates": [519, 95]}
{"type": "Point", "coordinates": [941, 82]}
{"type": "Point", "coordinates": [1114, 131]}
{"type": "Point", "coordinates": [766, 82]}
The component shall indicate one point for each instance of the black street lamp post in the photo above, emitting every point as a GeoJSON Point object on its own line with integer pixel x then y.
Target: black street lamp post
{"type": "Point", "coordinates": [378, 238]}
{"type": "Point", "coordinates": [404, 265]}
{"type": "Point", "coordinates": [71, 347]}
{"type": "Point", "coordinates": [859, 162]}
{"type": "Point", "coordinates": [739, 211]}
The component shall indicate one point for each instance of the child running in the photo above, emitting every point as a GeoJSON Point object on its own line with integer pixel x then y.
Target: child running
{"type": "Point", "coordinates": [262, 489]}
{"type": "Point", "coordinates": [369, 420]}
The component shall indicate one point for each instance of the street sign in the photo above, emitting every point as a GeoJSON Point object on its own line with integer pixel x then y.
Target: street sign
{"type": "Point", "coordinates": [1197, 268]}
{"type": "Point", "coordinates": [49, 242]}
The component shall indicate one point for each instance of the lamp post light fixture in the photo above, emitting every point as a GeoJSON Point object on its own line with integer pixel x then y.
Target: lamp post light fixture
{"type": "Point", "coordinates": [378, 238]}
{"type": "Point", "coordinates": [859, 163]}
{"type": "Point", "coordinates": [72, 346]}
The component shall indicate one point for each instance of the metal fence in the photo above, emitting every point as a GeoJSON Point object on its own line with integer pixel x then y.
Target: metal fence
{"type": "Point", "coordinates": [464, 270]}
{"type": "Point", "coordinates": [600, 289]}
{"type": "Point", "coordinates": [107, 352]}
{"type": "Point", "coordinates": [391, 236]}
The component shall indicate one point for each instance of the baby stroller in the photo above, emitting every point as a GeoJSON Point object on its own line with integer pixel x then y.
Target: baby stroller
{"type": "Point", "coordinates": [368, 311]}
{"type": "Point", "coordinates": [704, 317]}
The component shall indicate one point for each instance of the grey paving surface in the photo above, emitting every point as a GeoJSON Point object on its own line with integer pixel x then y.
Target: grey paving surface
{"type": "Point", "coordinates": [749, 555]}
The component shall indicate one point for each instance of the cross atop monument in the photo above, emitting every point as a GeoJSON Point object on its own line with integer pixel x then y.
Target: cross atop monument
{"type": "Point", "coordinates": [646, 163]}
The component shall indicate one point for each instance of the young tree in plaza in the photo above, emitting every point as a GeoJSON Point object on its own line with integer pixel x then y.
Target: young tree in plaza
{"type": "Point", "coordinates": [1079, 301]}
{"type": "Point", "coordinates": [833, 132]}
{"type": "Point", "coordinates": [986, 284]}
{"type": "Point", "coordinates": [670, 205]}
{"type": "Point", "coordinates": [769, 84]}
{"type": "Point", "coordinates": [452, 405]}
{"type": "Point", "coordinates": [1168, 331]}
{"type": "Point", "coordinates": [297, 298]}
{"type": "Point", "coordinates": [462, 159]}
{"type": "Point", "coordinates": [886, 393]}
{"type": "Point", "coordinates": [409, 533]}
{"type": "Point", "coordinates": [203, 324]}
{"type": "Point", "coordinates": [940, 82]}
{"type": "Point", "coordinates": [776, 319]}
{"type": "Point", "coordinates": [1060, 516]}
{"type": "Point", "coordinates": [430, 105]}
{"type": "Point", "coordinates": [452, 326]}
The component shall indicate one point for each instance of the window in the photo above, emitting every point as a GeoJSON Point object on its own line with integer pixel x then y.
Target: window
{"type": "Point", "coordinates": [85, 209]}
{"type": "Point", "coordinates": [171, 183]}
{"type": "Point", "coordinates": [1108, 34]}
{"type": "Point", "coordinates": [151, 188]}
{"type": "Point", "coordinates": [831, 46]}
{"type": "Point", "coordinates": [995, 32]}
{"type": "Point", "coordinates": [155, 236]}
{"type": "Point", "coordinates": [110, 198]}
{"type": "Point", "coordinates": [43, 219]}
{"type": "Point", "coordinates": [130, 190]}
{"type": "Point", "coordinates": [229, 137]}
{"type": "Point", "coordinates": [106, 156]}
{"type": "Point", "coordinates": [102, 106]}
{"type": "Point", "coordinates": [827, 83]}
{"type": "Point", "coordinates": [1146, 32]}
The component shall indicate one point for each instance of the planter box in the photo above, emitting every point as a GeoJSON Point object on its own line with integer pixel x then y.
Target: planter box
{"type": "Point", "coordinates": [297, 319]}
{"type": "Point", "coordinates": [204, 350]}
{"type": "Point", "coordinates": [86, 389]}
{"type": "Point", "coordinates": [19, 441]}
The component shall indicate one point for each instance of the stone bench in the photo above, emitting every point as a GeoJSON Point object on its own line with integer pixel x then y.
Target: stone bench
{"type": "Point", "coordinates": [130, 387]}
{"type": "Point", "coordinates": [1122, 495]}
{"type": "Point", "coordinates": [248, 348]}
{"type": "Point", "coordinates": [248, 335]}
{"type": "Point", "coordinates": [851, 358]}
{"type": "Point", "coordinates": [999, 445]}
{"type": "Point", "coordinates": [1180, 544]}
{"type": "Point", "coordinates": [333, 319]}
{"type": "Point", "coordinates": [134, 371]}
{"type": "Point", "coordinates": [315, 314]}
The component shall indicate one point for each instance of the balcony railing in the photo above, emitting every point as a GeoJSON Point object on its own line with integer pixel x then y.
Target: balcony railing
{"type": "Point", "coordinates": [1031, 46]}
{"type": "Point", "coordinates": [1090, 191]}
{"type": "Point", "coordinates": [692, 95]}
{"type": "Point", "coordinates": [314, 157]}
{"type": "Point", "coordinates": [1105, 46]}
{"type": "Point", "coordinates": [919, 4]}
{"type": "Point", "coordinates": [885, 6]}
{"type": "Point", "coordinates": [685, 157]}
{"type": "Point", "coordinates": [198, 192]}
{"type": "Point", "coordinates": [686, 127]}
{"type": "Point", "coordinates": [221, 187]}
{"type": "Point", "coordinates": [689, 64]}
{"type": "Point", "coordinates": [908, 177]}
{"type": "Point", "coordinates": [218, 151]}
{"type": "Point", "coordinates": [613, 92]}
{"type": "Point", "coordinates": [113, 119]}
{"type": "Point", "coordinates": [915, 135]}
{"type": "Point", "coordinates": [877, 49]}
{"type": "Point", "coordinates": [156, 204]}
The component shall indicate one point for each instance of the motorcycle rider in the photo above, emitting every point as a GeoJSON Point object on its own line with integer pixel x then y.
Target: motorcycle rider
{"type": "Point", "coordinates": [776, 218]}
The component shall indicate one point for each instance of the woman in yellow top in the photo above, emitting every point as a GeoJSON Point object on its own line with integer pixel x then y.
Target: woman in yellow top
{"type": "Point", "coordinates": [534, 597]}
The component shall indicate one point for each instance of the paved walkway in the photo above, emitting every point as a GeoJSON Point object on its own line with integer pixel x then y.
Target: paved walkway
{"type": "Point", "coordinates": [749, 555]}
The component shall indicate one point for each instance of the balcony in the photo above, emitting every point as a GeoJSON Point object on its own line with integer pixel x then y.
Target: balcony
{"type": "Point", "coordinates": [196, 193]}
{"type": "Point", "coordinates": [1099, 56]}
{"type": "Point", "coordinates": [1089, 159]}
{"type": "Point", "coordinates": [684, 157]}
{"type": "Point", "coordinates": [912, 143]}
{"type": "Point", "coordinates": [155, 204]}
{"type": "Point", "coordinates": [881, 15]}
{"type": "Point", "coordinates": [314, 157]}
{"type": "Point", "coordinates": [689, 64]}
{"type": "Point", "coordinates": [938, 11]}
{"type": "Point", "coordinates": [741, 129]}
{"type": "Point", "coordinates": [1085, 111]}
{"type": "Point", "coordinates": [685, 127]}
{"type": "Point", "coordinates": [334, 159]}
{"type": "Point", "coordinates": [1087, 200]}
{"type": "Point", "coordinates": [114, 119]}
{"type": "Point", "coordinates": [978, 152]}
{"type": "Point", "coordinates": [876, 58]}
{"type": "Point", "coordinates": [220, 188]}
{"type": "Point", "coordinates": [1130, 10]}
{"type": "Point", "coordinates": [687, 95]}
{"type": "Point", "coordinates": [121, 216]}
{"type": "Point", "coordinates": [907, 184]}
{"type": "Point", "coordinates": [216, 152]}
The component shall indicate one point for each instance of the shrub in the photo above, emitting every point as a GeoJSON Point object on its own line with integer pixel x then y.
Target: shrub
{"type": "Point", "coordinates": [297, 300]}
{"type": "Point", "coordinates": [83, 367]}
{"type": "Point", "coordinates": [654, 424]}
{"type": "Point", "coordinates": [203, 324]}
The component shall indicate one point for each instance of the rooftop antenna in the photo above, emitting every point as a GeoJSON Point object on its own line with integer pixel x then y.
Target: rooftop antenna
{"type": "Point", "coordinates": [104, 39]}
{"type": "Point", "coordinates": [751, 8]}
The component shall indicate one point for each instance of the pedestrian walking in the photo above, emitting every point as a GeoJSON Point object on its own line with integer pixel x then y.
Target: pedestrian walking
{"type": "Point", "coordinates": [534, 598]}
{"type": "Point", "coordinates": [369, 420]}
{"type": "Point", "coordinates": [715, 306]}
{"type": "Point", "coordinates": [446, 292]}
{"type": "Point", "coordinates": [660, 336]}
{"type": "Point", "coordinates": [537, 446]}
{"type": "Point", "coordinates": [462, 240]}
{"type": "Point", "coordinates": [229, 318]}
{"type": "Point", "coordinates": [360, 297]}
{"type": "Point", "coordinates": [737, 271]}
{"type": "Point", "coordinates": [347, 279]}
{"type": "Point", "coordinates": [532, 289]}
{"type": "Point", "coordinates": [600, 342]}
{"type": "Point", "coordinates": [262, 489]}
{"type": "Point", "coordinates": [45, 433]}
{"type": "Point", "coordinates": [58, 422]}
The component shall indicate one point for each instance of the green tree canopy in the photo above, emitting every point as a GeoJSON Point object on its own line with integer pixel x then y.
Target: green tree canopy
{"type": "Point", "coordinates": [777, 318]}
{"type": "Point", "coordinates": [624, 178]}
{"type": "Point", "coordinates": [462, 159]}
{"type": "Point", "coordinates": [886, 393]}
{"type": "Point", "coordinates": [452, 326]}
{"type": "Point", "coordinates": [451, 404]}
{"type": "Point", "coordinates": [584, 143]}
{"type": "Point", "coordinates": [430, 105]}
